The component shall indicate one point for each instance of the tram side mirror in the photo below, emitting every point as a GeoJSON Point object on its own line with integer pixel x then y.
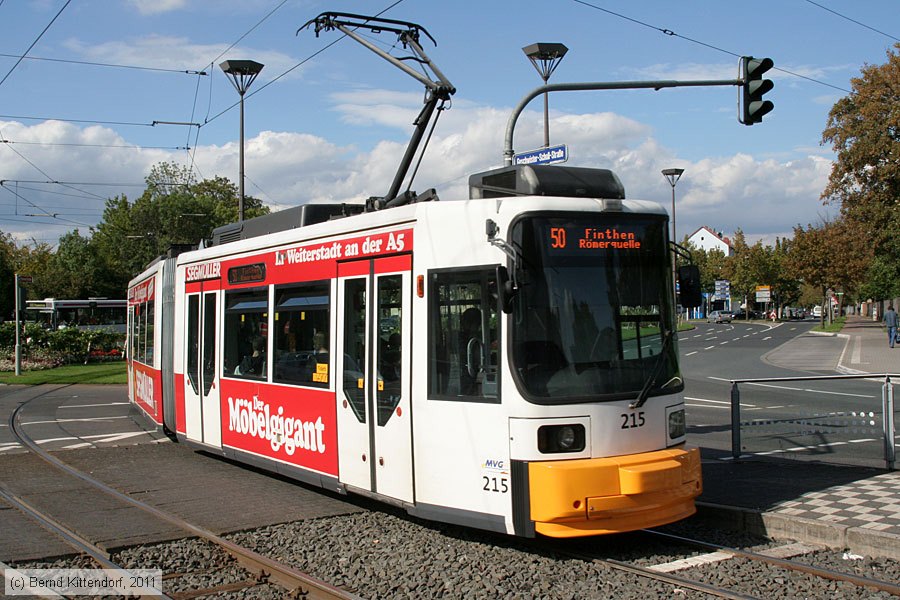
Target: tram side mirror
{"type": "Point", "coordinates": [506, 290]}
{"type": "Point", "coordinates": [689, 285]}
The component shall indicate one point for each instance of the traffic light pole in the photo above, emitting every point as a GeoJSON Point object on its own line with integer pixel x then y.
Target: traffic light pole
{"type": "Point", "coordinates": [18, 347]}
{"type": "Point", "coordinates": [509, 153]}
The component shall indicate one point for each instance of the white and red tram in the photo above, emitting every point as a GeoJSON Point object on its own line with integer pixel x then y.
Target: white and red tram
{"type": "Point", "coordinates": [506, 362]}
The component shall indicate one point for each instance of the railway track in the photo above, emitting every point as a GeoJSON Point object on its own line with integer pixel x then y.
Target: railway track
{"type": "Point", "coordinates": [387, 554]}
{"type": "Point", "coordinates": [690, 567]}
{"type": "Point", "coordinates": [262, 569]}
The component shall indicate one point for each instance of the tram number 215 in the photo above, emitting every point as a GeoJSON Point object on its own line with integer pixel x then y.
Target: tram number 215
{"type": "Point", "coordinates": [632, 420]}
{"type": "Point", "coordinates": [495, 484]}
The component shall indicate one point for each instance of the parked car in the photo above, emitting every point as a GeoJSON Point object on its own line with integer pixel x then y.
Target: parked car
{"type": "Point", "coordinates": [817, 312]}
{"type": "Point", "coordinates": [719, 316]}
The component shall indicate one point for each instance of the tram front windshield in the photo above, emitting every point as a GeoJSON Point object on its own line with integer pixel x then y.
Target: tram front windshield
{"type": "Point", "coordinates": [592, 321]}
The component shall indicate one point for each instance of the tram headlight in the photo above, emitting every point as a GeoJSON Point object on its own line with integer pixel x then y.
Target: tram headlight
{"type": "Point", "coordinates": [676, 424]}
{"type": "Point", "coordinates": [554, 439]}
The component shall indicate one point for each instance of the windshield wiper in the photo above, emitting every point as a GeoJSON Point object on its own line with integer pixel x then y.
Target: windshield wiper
{"type": "Point", "coordinates": [657, 369]}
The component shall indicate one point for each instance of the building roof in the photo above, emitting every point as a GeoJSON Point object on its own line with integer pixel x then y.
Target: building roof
{"type": "Point", "coordinates": [716, 234]}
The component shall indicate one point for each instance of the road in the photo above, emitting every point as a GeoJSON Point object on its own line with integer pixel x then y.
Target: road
{"type": "Point", "coordinates": [835, 420]}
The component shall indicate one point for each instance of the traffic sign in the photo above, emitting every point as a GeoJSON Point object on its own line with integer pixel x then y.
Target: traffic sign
{"type": "Point", "coordinates": [543, 156]}
{"type": "Point", "coordinates": [25, 278]}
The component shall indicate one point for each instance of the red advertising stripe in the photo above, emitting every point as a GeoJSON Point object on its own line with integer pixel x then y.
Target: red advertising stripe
{"type": "Point", "coordinates": [293, 425]}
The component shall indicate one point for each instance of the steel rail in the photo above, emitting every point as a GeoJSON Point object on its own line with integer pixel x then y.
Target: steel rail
{"type": "Point", "coordinates": [78, 543]}
{"type": "Point", "coordinates": [824, 573]}
{"type": "Point", "coordinates": [654, 575]}
{"type": "Point", "coordinates": [297, 582]}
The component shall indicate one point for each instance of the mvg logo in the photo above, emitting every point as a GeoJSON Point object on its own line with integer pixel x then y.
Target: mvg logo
{"type": "Point", "coordinates": [493, 464]}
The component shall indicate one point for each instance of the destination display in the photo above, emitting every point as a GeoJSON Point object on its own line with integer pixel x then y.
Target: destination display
{"type": "Point", "coordinates": [576, 240]}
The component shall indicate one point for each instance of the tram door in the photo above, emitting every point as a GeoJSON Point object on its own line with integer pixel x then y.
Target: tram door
{"type": "Point", "coordinates": [373, 379]}
{"type": "Point", "coordinates": [201, 393]}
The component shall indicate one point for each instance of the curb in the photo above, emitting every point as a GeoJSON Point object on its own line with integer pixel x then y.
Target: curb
{"type": "Point", "coordinates": [858, 540]}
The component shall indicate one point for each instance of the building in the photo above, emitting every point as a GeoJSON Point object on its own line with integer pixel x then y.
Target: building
{"type": "Point", "coordinates": [707, 239]}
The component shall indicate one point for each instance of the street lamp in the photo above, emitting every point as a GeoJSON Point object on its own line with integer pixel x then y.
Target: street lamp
{"type": "Point", "coordinates": [672, 176]}
{"type": "Point", "coordinates": [545, 57]}
{"type": "Point", "coordinates": [242, 73]}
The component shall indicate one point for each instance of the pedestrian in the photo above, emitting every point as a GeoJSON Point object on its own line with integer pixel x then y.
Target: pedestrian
{"type": "Point", "coordinates": [890, 321]}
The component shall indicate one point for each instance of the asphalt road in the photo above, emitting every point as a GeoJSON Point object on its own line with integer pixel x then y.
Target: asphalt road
{"type": "Point", "coordinates": [831, 419]}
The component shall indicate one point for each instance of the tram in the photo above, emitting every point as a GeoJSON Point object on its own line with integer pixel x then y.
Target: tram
{"type": "Point", "coordinates": [506, 361]}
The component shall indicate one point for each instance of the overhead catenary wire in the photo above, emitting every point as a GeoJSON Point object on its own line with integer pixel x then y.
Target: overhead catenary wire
{"type": "Point", "coordinates": [671, 33]}
{"type": "Point", "coordinates": [861, 24]}
{"type": "Point", "coordinates": [77, 145]}
{"type": "Point", "coordinates": [34, 43]}
{"type": "Point", "coordinates": [103, 64]}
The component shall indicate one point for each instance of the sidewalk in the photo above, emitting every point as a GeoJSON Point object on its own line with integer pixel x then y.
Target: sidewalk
{"type": "Point", "coordinates": [844, 507]}
{"type": "Point", "coordinates": [867, 349]}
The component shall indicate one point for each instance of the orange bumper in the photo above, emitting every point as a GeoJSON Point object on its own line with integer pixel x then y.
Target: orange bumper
{"type": "Point", "coordinates": [593, 496]}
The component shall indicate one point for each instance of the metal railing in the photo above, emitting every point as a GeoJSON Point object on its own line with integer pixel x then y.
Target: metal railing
{"type": "Point", "coordinates": [887, 407]}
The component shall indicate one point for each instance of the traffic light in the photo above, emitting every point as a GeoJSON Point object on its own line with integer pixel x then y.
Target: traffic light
{"type": "Point", "coordinates": [754, 86]}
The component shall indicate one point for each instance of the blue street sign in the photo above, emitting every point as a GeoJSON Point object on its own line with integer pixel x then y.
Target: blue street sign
{"type": "Point", "coordinates": [543, 156]}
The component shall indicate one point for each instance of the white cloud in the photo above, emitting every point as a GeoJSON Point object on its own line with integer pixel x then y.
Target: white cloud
{"type": "Point", "coordinates": [173, 52]}
{"type": "Point", "coordinates": [763, 197]}
{"type": "Point", "coordinates": [155, 7]}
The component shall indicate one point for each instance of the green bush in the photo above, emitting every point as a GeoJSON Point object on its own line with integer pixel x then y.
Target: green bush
{"type": "Point", "coordinates": [42, 348]}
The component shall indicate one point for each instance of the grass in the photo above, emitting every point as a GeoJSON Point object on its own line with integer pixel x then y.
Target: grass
{"type": "Point", "coordinates": [99, 373]}
{"type": "Point", "coordinates": [833, 327]}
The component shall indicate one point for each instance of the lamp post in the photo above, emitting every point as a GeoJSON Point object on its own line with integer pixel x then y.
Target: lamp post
{"type": "Point", "coordinates": [672, 176]}
{"type": "Point", "coordinates": [242, 73]}
{"type": "Point", "coordinates": [545, 57]}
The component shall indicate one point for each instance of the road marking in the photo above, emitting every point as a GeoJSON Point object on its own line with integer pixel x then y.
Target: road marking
{"type": "Point", "coordinates": [725, 402]}
{"type": "Point", "coordinates": [4, 449]}
{"type": "Point", "coordinates": [710, 348]}
{"type": "Point", "coordinates": [856, 354]}
{"type": "Point", "coordinates": [107, 438]}
{"type": "Point", "coordinates": [48, 440]}
{"type": "Point", "coordinates": [691, 353]}
{"type": "Point", "coordinates": [75, 420]}
{"type": "Point", "coordinates": [809, 390]}
{"type": "Point", "coordinates": [768, 337]}
{"type": "Point", "coordinates": [93, 405]}
{"type": "Point", "coordinates": [723, 343]}
{"type": "Point", "coordinates": [77, 446]}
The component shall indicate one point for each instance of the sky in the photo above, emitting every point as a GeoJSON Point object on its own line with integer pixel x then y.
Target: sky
{"type": "Point", "coordinates": [328, 120]}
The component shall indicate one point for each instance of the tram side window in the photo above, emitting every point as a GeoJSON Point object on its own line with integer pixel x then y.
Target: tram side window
{"type": "Point", "coordinates": [302, 318]}
{"type": "Point", "coordinates": [137, 349]}
{"type": "Point", "coordinates": [464, 334]}
{"type": "Point", "coordinates": [246, 334]}
{"type": "Point", "coordinates": [148, 330]}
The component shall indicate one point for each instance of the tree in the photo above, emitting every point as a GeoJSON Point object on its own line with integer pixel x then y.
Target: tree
{"type": "Point", "coordinates": [174, 209]}
{"type": "Point", "coordinates": [830, 256]}
{"type": "Point", "coordinates": [864, 130]}
{"type": "Point", "coordinates": [7, 273]}
{"type": "Point", "coordinates": [74, 270]}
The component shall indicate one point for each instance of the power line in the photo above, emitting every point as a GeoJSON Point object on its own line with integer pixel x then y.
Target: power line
{"type": "Point", "coordinates": [671, 33]}
{"type": "Point", "coordinates": [124, 123]}
{"type": "Point", "coordinates": [34, 43]}
{"type": "Point", "coordinates": [103, 183]}
{"type": "Point", "coordinates": [248, 32]}
{"type": "Point", "coordinates": [299, 64]}
{"type": "Point", "coordinates": [73, 144]}
{"type": "Point", "coordinates": [834, 12]}
{"type": "Point", "coordinates": [101, 64]}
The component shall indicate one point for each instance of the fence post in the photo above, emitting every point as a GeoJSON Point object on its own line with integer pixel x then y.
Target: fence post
{"type": "Point", "coordinates": [735, 421]}
{"type": "Point", "coordinates": [887, 398]}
